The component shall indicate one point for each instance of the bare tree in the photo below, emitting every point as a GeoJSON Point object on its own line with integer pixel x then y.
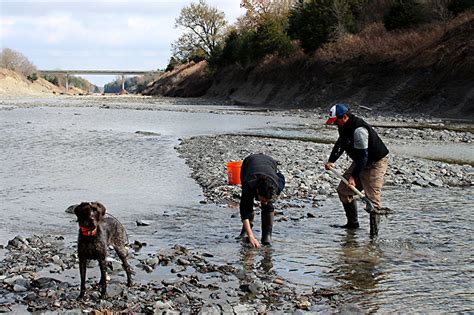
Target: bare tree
{"type": "Point", "coordinates": [258, 9]}
{"type": "Point", "coordinates": [16, 61]}
{"type": "Point", "coordinates": [205, 26]}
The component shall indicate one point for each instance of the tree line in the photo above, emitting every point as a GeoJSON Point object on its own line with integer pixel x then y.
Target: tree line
{"type": "Point", "coordinates": [16, 61]}
{"type": "Point", "coordinates": [281, 27]}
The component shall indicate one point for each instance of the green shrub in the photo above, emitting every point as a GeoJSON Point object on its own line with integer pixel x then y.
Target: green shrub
{"type": "Point", "coordinates": [311, 22]}
{"type": "Point", "coordinates": [249, 45]}
{"type": "Point", "coordinates": [172, 64]}
{"type": "Point", "coordinates": [32, 77]}
{"type": "Point", "coordinates": [53, 79]}
{"type": "Point", "coordinates": [270, 38]}
{"type": "Point", "coordinates": [232, 49]}
{"type": "Point", "coordinates": [459, 6]}
{"type": "Point", "coordinates": [403, 14]}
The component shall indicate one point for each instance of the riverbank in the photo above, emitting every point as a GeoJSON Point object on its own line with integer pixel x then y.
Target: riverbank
{"type": "Point", "coordinates": [13, 85]}
{"type": "Point", "coordinates": [421, 71]}
{"type": "Point", "coordinates": [39, 273]}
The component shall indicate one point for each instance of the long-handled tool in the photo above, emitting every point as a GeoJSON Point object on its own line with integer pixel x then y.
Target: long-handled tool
{"type": "Point", "coordinates": [369, 207]}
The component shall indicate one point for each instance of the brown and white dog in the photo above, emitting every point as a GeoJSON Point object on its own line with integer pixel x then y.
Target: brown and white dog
{"type": "Point", "coordinates": [96, 233]}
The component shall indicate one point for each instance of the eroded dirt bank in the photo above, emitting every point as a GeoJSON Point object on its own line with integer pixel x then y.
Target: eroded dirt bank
{"type": "Point", "coordinates": [435, 79]}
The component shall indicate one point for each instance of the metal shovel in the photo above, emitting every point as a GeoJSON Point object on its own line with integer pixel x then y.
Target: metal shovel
{"type": "Point", "coordinates": [369, 207]}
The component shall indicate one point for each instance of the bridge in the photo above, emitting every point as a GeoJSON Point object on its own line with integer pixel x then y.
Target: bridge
{"type": "Point", "coordinates": [121, 73]}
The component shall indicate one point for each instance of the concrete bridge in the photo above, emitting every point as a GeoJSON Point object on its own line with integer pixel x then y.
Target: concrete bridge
{"type": "Point", "coordinates": [121, 73]}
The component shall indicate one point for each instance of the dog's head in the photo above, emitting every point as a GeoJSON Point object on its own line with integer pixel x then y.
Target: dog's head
{"type": "Point", "coordinates": [89, 214]}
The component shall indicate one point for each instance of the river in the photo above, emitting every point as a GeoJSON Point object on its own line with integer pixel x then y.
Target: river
{"type": "Point", "coordinates": [55, 156]}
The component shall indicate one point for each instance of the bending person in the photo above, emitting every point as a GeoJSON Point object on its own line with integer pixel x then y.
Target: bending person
{"type": "Point", "coordinates": [261, 181]}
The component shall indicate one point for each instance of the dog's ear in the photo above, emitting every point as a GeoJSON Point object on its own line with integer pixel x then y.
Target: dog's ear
{"type": "Point", "coordinates": [100, 207]}
{"type": "Point", "coordinates": [78, 208]}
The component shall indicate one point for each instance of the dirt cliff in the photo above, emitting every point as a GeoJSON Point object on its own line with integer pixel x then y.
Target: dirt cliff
{"type": "Point", "coordinates": [14, 84]}
{"type": "Point", "coordinates": [435, 79]}
{"type": "Point", "coordinates": [189, 80]}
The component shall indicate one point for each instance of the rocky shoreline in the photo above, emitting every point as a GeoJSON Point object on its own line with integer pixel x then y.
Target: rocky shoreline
{"type": "Point", "coordinates": [34, 277]}
{"type": "Point", "coordinates": [302, 163]}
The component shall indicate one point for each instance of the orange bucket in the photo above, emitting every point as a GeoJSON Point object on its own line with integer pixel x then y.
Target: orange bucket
{"type": "Point", "coordinates": [233, 172]}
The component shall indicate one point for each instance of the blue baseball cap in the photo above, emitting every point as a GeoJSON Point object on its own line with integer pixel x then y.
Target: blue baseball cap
{"type": "Point", "coordinates": [336, 111]}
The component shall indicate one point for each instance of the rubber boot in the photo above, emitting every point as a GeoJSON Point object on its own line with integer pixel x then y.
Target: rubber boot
{"type": "Point", "coordinates": [267, 227]}
{"type": "Point", "coordinates": [351, 215]}
{"type": "Point", "coordinates": [243, 233]}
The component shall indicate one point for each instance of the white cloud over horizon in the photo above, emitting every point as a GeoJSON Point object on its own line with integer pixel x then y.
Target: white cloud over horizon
{"type": "Point", "coordinates": [99, 34]}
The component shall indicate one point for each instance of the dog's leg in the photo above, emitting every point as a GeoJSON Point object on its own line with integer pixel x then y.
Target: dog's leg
{"type": "Point", "coordinates": [82, 272]}
{"type": "Point", "coordinates": [122, 253]}
{"type": "Point", "coordinates": [103, 278]}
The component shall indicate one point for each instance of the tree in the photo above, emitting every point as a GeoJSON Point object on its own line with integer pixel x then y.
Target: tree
{"type": "Point", "coordinates": [205, 26]}
{"type": "Point", "coordinates": [403, 14]}
{"type": "Point", "coordinates": [257, 10]}
{"type": "Point", "coordinates": [458, 6]}
{"type": "Point", "coordinates": [185, 49]}
{"type": "Point", "coordinates": [341, 10]}
{"type": "Point", "coordinates": [16, 61]}
{"type": "Point", "coordinates": [172, 64]}
{"type": "Point", "coordinates": [439, 10]}
{"type": "Point", "coordinates": [269, 38]}
{"type": "Point", "coordinates": [312, 22]}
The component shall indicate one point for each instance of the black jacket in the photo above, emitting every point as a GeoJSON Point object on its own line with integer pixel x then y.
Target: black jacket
{"type": "Point", "coordinates": [345, 143]}
{"type": "Point", "coordinates": [252, 166]}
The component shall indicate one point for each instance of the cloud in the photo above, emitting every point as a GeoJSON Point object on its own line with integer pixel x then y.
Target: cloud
{"type": "Point", "coordinates": [102, 34]}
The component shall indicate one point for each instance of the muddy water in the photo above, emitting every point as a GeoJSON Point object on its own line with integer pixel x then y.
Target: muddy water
{"type": "Point", "coordinates": [54, 157]}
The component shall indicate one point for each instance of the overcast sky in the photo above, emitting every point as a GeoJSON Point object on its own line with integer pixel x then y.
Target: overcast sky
{"type": "Point", "coordinates": [100, 34]}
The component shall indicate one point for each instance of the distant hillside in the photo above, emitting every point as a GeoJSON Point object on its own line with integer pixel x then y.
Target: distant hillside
{"type": "Point", "coordinates": [434, 75]}
{"type": "Point", "coordinates": [15, 84]}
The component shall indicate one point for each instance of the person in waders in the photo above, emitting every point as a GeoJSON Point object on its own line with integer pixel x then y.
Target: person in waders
{"type": "Point", "coordinates": [369, 155]}
{"type": "Point", "coordinates": [261, 181]}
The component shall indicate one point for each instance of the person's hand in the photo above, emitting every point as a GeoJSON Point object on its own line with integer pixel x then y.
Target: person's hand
{"type": "Point", "coordinates": [329, 165]}
{"type": "Point", "coordinates": [253, 241]}
{"type": "Point", "coordinates": [351, 181]}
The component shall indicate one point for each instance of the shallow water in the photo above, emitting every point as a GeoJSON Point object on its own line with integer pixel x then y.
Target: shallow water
{"type": "Point", "coordinates": [54, 157]}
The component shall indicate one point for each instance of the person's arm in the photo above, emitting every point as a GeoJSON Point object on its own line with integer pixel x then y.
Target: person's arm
{"type": "Point", "coordinates": [336, 152]}
{"type": "Point", "coordinates": [246, 209]}
{"type": "Point", "coordinates": [253, 241]}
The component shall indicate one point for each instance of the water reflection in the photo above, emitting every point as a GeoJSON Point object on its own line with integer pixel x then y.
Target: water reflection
{"type": "Point", "coordinates": [359, 263]}
{"type": "Point", "coordinates": [257, 260]}
{"type": "Point", "coordinates": [359, 269]}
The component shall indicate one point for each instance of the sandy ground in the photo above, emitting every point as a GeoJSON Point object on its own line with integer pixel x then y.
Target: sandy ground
{"type": "Point", "coordinates": [13, 84]}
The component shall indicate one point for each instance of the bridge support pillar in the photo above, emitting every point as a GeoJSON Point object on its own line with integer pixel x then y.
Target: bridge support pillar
{"type": "Point", "coordinates": [67, 82]}
{"type": "Point", "coordinates": [123, 84]}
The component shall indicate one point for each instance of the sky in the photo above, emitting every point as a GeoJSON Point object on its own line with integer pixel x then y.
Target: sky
{"type": "Point", "coordinates": [97, 35]}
